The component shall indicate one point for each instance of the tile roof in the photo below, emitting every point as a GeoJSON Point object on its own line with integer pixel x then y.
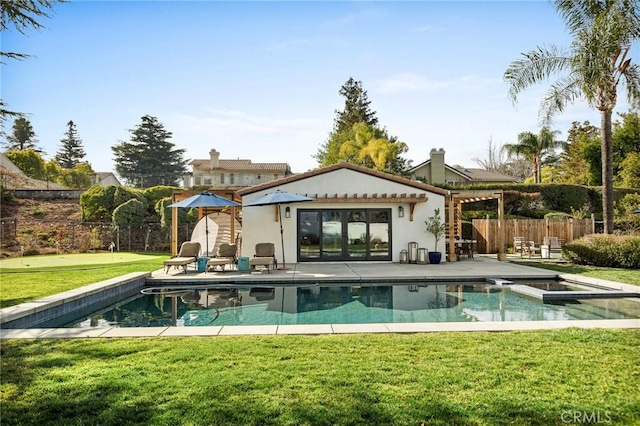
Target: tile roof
{"type": "Point", "coordinates": [239, 165]}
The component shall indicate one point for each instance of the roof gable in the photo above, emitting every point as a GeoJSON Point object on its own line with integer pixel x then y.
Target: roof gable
{"type": "Point", "coordinates": [341, 166]}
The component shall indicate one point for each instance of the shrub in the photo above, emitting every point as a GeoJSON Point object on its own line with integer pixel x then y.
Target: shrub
{"type": "Point", "coordinates": [131, 212]}
{"type": "Point", "coordinates": [615, 251]}
{"type": "Point", "coordinates": [157, 193]}
{"type": "Point", "coordinates": [98, 202]}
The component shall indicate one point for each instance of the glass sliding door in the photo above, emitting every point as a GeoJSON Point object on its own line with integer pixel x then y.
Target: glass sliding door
{"type": "Point", "coordinates": [331, 242]}
{"type": "Point", "coordinates": [344, 234]}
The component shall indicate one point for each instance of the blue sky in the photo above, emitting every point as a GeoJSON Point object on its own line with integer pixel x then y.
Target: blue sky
{"type": "Point", "coordinates": [260, 80]}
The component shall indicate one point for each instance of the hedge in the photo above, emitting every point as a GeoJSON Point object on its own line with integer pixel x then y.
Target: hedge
{"type": "Point", "coordinates": [615, 251]}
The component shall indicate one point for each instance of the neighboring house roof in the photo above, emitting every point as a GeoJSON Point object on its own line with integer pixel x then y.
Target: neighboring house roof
{"type": "Point", "coordinates": [472, 175]}
{"type": "Point", "coordinates": [106, 178]}
{"type": "Point", "coordinates": [239, 166]}
{"type": "Point", "coordinates": [14, 178]}
{"type": "Point", "coordinates": [447, 167]}
{"type": "Point", "coordinates": [301, 176]}
{"type": "Point", "coordinates": [486, 175]}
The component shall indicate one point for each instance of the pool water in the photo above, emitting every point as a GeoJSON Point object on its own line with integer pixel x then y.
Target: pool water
{"type": "Point", "coordinates": [355, 304]}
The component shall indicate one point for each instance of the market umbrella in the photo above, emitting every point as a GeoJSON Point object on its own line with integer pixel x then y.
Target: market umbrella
{"type": "Point", "coordinates": [637, 211]}
{"type": "Point", "coordinates": [278, 198]}
{"type": "Point", "coordinates": [205, 199]}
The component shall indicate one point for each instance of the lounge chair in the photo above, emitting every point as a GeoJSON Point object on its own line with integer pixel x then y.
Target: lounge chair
{"type": "Point", "coordinates": [265, 255]}
{"type": "Point", "coordinates": [188, 254]}
{"type": "Point", "coordinates": [226, 256]}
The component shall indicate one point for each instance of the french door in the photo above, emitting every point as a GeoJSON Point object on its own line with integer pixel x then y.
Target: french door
{"type": "Point", "coordinates": [344, 234]}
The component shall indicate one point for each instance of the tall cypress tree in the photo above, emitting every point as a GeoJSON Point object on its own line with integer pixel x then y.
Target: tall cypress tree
{"type": "Point", "coordinates": [150, 158]}
{"type": "Point", "coordinates": [71, 151]}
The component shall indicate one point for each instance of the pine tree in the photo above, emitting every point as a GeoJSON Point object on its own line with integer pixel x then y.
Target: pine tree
{"type": "Point", "coordinates": [23, 136]}
{"type": "Point", "coordinates": [71, 151]}
{"type": "Point", "coordinates": [356, 107]}
{"type": "Point", "coordinates": [357, 138]}
{"type": "Point", "coordinates": [149, 159]}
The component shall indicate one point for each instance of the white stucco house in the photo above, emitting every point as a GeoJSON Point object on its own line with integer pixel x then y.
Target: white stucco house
{"type": "Point", "coordinates": [357, 214]}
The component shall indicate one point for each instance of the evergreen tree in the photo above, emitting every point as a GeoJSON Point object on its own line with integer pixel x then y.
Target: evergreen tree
{"type": "Point", "coordinates": [23, 136]}
{"type": "Point", "coordinates": [149, 159]}
{"type": "Point", "coordinates": [71, 151]}
{"type": "Point", "coordinates": [356, 107]}
{"type": "Point", "coordinates": [357, 138]}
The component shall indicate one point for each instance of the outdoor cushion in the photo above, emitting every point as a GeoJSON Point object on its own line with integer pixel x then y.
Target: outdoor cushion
{"type": "Point", "coordinates": [188, 254]}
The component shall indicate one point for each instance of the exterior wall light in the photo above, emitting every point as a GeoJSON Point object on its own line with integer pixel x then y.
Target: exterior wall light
{"type": "Point", "coordinates": [287, 212]}
{"type": "Point", "coordinates": [400, 211]}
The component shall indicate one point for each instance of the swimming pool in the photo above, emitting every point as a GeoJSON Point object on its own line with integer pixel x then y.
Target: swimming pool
{"type": "Point", "coordinates": [354, 304]}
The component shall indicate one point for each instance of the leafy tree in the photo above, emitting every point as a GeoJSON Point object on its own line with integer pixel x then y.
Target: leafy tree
{"type": "Point", "coordinates": [603, 33]}
{"type": "Point", "coordinates": [51, 171]}
{"type": "Point", "coordinates": [21, 15]}
{"type": "Point", "coordinates": [356, 136]}
{"type": "Point", "coordinates": [149, 159]}
{"type": "Point", "coordinates": [71, 151]}
{"type": "Point", "coordinates": [629, 175]}
{"type": "Point", "coordinates": [29, 161]}
{"type": "Point", "coordinates": [578, 163]}
{"type": "Point", "coordinates": [78, 177]}
{"type": "Point", "coordinates": [534, 147]}
{"type": "Point", "coordinates": [626, 139]}
{"type": "Point", "coordinates": [23, 136]}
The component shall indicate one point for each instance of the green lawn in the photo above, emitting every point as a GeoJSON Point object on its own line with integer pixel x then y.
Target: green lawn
{"type": "Point", "coordinates": [629, 276]}
{"type": "Point", "coordinates": [23, 284]}
{"type": "Point", "coordinates": [516, 378]}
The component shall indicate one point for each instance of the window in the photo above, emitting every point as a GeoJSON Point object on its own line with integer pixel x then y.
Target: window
{"type": "Point", "coordinates": [259, 176]}
{"type": "Point", "coordinates": [207, 181]}
{"type": "Point", "coordinates": [222, 178]}
{"type": "Point", "coordinates": [197, 180]}
{"type": "Point", "coordinates": [232, 178]}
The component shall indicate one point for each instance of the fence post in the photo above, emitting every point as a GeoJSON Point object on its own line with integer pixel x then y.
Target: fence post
{"type": "Point", "coordinates": [593, 223]}
{"type": "Point", "coordinates": [487, 233]}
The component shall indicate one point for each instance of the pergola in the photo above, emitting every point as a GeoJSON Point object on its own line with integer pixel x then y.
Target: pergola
{"type": "Point", "coordinates": [454, 202]}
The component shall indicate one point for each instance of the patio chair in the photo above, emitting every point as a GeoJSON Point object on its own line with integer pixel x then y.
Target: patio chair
{"type": "Point", "coordinates": [530, 249]}
{"type": "Point", "coordinates": [265, 255]}
{"type": "Point", "coordinates": [188, 254]}
{"type": "Point", "coordinates": [226, 256]}
{"type": "Point", "coordinates": [552, 245]}
{"type": "Point", "coordinates": [518, 245]}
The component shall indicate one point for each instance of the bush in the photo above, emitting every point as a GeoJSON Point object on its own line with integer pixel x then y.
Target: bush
{"type": "Point", "coordinates": [615, 251]}
{"type": "Point", "coordinates": [131, 212]}
{"type": "Point", "coordinates": [98, 202]}
{"type": "Point", "coordinates": [157, 193]}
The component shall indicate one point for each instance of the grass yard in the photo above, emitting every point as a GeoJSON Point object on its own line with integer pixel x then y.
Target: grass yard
{"type": "Point", "coordinates": [521, 378]}
{"type": "Point", "coordinates": [23, 284]}
{"type": "Point", "coordinates": [628, 276]}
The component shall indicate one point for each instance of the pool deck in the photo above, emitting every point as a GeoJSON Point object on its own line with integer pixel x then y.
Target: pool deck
{"type": "Point", "coordinates": [478, 268]}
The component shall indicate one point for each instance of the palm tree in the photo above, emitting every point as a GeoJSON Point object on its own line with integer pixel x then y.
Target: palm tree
{"type": "Point", "coordinates": [533, 148]}
{"type": "Point", "coordinates": [366, 148]}
{"type": "Point", "coordinates": [596, 64]}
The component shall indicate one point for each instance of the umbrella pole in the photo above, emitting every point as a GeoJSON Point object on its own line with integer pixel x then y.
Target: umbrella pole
{"type": "Point", "coordinates": [284, 265]}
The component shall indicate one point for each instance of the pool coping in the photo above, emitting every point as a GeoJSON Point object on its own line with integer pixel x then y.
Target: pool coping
{"type": "Point", "coordinates": [59, 299]}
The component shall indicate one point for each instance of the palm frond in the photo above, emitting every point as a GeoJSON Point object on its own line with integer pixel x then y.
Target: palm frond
{"type": "Point", "coordinates": [536, 66]}
{"type": "Point", "coordinates": [631, 78]}
{"type": "Point", "coordinates": [562, 92]}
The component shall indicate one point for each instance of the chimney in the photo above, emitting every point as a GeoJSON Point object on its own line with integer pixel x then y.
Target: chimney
{"type": "Point", "coordinates": [437, 165]}
{"type": "Point", "coordinates": [214, 157]}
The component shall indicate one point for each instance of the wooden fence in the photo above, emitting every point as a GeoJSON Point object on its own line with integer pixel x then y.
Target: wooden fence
{"type": "Point", "coordinates": [485, 231]}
